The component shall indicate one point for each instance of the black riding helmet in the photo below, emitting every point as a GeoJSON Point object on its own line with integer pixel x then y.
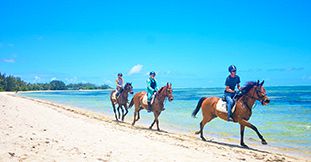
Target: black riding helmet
{"type": "Point", "coordinates": [232, 68]}
{"type": "Point", "coordinates": [120, 74]}
{"type": "Point", "coordinates": [152, 73]}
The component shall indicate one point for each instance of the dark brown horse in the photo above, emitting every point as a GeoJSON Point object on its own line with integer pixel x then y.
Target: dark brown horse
{"type": "Point", "coordinates": [157, 105]}
{"type": "Point", "coordinates": [250, 93]}
{"type": "Point", "coordinates": [121, 100]}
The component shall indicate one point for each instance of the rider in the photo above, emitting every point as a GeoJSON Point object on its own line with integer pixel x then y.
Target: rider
{"type": "Point", "coordinates": [151, 88]}
{"type": "Point", "coordinates": [119, 84]}
{"type": "Point", "coordinates": [232, 81]}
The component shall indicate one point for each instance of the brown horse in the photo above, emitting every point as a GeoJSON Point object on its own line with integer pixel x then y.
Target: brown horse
{"type": "Point", "coordinates": [250, 93]}
{"type": "Point", "coordinates": [122, 100]}
{"type": "Point", "coordinates": [157, 105]}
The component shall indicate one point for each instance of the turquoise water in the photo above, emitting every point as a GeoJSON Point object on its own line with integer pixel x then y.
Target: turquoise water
{"type": "Point", "coordinates": [285, 122]}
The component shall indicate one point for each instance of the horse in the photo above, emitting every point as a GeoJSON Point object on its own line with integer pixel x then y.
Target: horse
{"type": "Point", "coordinates": [121, 100]}
{"type": "Point", "coordinates": [252, 92]}
{"type": "Point", "coordinates": [157, 105]}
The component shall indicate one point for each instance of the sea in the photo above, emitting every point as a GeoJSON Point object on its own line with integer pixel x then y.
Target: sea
{"type": "Point", "coordinates": [285, 122]}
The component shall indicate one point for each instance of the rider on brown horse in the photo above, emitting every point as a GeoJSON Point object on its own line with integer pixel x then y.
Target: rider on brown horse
{"type": "Point", "coordinates": [152, 87]}
{"type": "Point", "coordinates": [119, 84]}
{"type": "Point", "coordinates": [232, 81]}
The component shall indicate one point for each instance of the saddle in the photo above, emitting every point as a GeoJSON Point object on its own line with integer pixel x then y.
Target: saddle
{"type": "Point", "coordinates": [145, 99]}
{"type": "Point", "coordinates": [222, 106]}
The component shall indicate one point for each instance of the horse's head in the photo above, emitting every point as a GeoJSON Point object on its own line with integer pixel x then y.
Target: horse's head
{"type": "Point", "coordinates": [258, 92]}
{"type": "Point", "coordinates": [169, 92]}
{"type": "Point", "coordinates": [128, 88]}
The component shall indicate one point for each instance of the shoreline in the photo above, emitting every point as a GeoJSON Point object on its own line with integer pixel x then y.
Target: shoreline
{"type": "Point", "coordinates": [273, 146]}
{"type": "Point", "coordinates": [177, 141]}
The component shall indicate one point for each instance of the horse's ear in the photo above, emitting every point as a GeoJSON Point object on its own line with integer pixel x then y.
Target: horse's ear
{"type": "Point", "coordinates": [167, 84]}
{"type": "Point", "coordinates": [257, 82]}
{"type": "Point", "coordinates": [261, 84]}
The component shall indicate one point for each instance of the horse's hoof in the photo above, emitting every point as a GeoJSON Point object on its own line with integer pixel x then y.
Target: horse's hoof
{"type": "Point", "coordinates": [150, 127]}
{"type": "Point", "coordinates": [264, 142]}
{"type": "Point", "coordinates": [244, 146]}
{"type": "Point", "coordinates": [203, 139]}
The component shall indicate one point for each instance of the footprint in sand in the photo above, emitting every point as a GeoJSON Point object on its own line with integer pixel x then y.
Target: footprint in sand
{"type": "Point", "coordinates": [12, 154]}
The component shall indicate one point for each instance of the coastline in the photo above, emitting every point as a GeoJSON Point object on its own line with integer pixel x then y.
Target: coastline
{"type": "Point", "coordinates": [107, 140]}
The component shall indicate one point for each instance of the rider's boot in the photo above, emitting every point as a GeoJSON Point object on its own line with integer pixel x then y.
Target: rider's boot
{"type": "Point", "coordinates": [149, 106]}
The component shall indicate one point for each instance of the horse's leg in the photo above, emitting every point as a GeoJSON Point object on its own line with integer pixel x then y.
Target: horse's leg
{"type": "Point", "coordinates": [248, 124]}
{"type": "Point", "coordinates": [122, 110]}
{"type": "Point", "coordinates": [134, 118]}
{"type": "Point", "coordinates": [205, 120]}
{"type": "Point", "coordinates": [135, 113]}
{"type": "Point", "coordinates": [157, 120]}
{"type": "Point", "coordinates": [242, 127]}
{"type": "Point", "coordinates": [154, 113]}
{"type": "Point", "coordinates": [118, 111]}
{"type": "Point", "coordinates": [114, 110]}
{"type": "Point", "coordinates": [138, 115]}
{"type": "Point", "coordinates": [126, 111]}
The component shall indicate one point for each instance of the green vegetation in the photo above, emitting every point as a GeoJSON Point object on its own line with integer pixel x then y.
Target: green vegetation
{"type": "Point", "coordinates": [11, 83]}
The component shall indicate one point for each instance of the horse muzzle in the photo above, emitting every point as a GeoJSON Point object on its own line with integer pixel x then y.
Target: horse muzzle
{"type": "Point", "coordinates": [171, 99]}
{"type": "Point", "coordinates": [265, 101]}
{"type": "Point", "coordinates": [132, 92]}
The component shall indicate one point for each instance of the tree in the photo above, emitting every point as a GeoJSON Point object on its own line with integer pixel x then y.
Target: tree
{"type": "Point", "coordinates": [57, 85]}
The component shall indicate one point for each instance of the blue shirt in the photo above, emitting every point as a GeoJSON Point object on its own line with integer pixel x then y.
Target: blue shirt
{"type": "Point", "coordinates": [232, 82]}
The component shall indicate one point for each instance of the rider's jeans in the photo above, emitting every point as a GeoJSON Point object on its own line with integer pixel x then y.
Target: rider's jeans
{"type": "Point", "coordinates": [230, 102]}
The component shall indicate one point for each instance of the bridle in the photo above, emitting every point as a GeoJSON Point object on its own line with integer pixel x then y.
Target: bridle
{"type": "Point", "coordinates": [260, 96]}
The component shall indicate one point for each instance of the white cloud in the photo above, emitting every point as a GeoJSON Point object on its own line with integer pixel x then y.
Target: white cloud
{"type": "Point", "coordinates": [72, 80]}
{"type": "Point", "coordinates": [37, 79]}
{"type": "Point", "coordinates": [135, 69]}
{"type": "Point", "coordinates": [54, 78]}
{"type": "Point", "coordinates": [9, 60]}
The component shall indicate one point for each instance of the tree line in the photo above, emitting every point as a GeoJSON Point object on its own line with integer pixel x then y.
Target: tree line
{"type": "Point", "coordinates": [12, 83]}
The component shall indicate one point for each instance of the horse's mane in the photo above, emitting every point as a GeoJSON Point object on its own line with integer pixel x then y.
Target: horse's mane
{"type": "Point", "coordinates": [127, 84]}
{"type": "Point", "coordinates": [161, 89]}
{"type": "Point", "coordinates": [248, 86]}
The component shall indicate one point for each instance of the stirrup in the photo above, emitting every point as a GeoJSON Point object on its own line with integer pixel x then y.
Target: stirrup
{"type": "Point", "coordinates": [230, 119]}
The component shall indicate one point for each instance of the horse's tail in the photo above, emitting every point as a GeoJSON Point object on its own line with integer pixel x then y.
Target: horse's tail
{"type": "Point", "coordinates": [131, 103]}
{"type": "Point", "coordinates": [197, 109]}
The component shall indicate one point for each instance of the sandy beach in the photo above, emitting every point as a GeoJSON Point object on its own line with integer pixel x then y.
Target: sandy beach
{"type": "Point", "coordinates": [37, 130]}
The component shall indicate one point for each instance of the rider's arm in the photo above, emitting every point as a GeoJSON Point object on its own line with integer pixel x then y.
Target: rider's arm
{"type": "Point", "coordinates": [117, 83]}
{"type": "Point", "coordinates": [239, 87]}
{"type": "Point", "coordinates": [229, 90]}
{"type": "Point", "coordinates": [149, 85]}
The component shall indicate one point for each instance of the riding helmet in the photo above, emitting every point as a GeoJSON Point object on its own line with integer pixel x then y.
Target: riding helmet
{"type": "Point", "coordinates": [152, 73]}
{"type": "Point", "coordinates": [232, 68]}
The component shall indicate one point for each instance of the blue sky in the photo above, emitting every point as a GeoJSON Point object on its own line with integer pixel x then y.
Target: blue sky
{"type": "Point", "coordinates": [188, 43]}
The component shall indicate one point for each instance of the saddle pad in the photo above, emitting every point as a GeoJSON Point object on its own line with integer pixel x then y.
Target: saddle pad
{"type": "Point", "coordinates": [114, 97]}
{"type": "Point", "coordinates": [145, 99]}
{"type": "Point", "coordinates": [222, 106]}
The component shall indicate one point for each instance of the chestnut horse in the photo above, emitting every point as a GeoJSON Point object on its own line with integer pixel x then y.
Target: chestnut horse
{"type": "Point", "coordinates": [250, 93]}
{"type": "Point", "coordinates": [157, 105]}
{"type": "Point", "coordinates": [121, 100]}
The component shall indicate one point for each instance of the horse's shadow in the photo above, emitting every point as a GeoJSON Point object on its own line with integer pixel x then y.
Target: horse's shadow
{"type": "Point", "coordinates": [235, 146]}
{"type": "Point", "coordinates": [153, 130]}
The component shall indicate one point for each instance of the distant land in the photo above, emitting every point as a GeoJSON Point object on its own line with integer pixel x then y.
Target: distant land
{"type": "Point", "coordinates": [12, 83]}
